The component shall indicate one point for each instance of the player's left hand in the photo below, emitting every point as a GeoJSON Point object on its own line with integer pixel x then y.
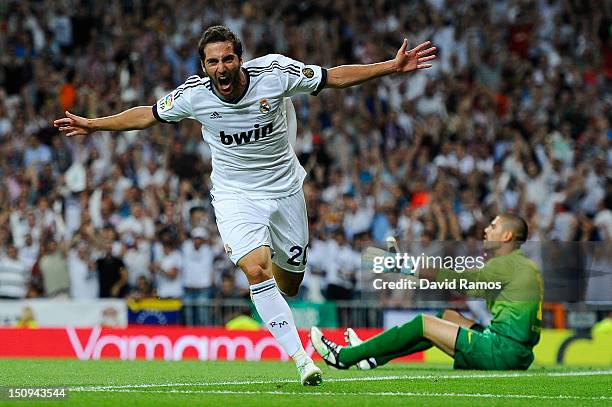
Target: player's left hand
{"type": "Point", "coordinates": [370, 256]}
{"type": "Point", "coordinates": [414, 59]}
{"type": "Point", "coordinates": [372, 261]}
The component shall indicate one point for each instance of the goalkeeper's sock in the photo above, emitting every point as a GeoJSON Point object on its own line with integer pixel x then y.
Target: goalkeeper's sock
{"type": "Point", "coordinates": [390, 342]}
{"type": "Point", "coordinates": [421, 346]}
{"type": "Point", "coordinates": [276, 315]}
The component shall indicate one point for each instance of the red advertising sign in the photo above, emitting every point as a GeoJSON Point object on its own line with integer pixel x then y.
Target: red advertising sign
{"type": "Point", "coordinates": [169, 343]}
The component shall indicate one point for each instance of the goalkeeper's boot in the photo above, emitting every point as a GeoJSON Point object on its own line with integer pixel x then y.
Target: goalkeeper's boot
{"type": "Point", "coordinates": [327, 349]}
{"type": "Point", "coordinates": [310, 374]}
{"type": "Point", "coordinates": [352, 339]}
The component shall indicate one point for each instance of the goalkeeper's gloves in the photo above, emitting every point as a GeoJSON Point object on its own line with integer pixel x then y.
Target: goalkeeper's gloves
{"type": "Point", "coordinates": [383, 261]}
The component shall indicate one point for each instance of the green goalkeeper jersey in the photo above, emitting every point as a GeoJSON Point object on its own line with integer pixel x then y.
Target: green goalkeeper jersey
{"type": "Point", "coordinates": [515, 302]}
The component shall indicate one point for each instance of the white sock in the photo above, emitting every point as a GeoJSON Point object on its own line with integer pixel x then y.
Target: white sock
{"type": "Point", "coordinates": [301, 357]}
{"type": "Point", "coordinates": [276, 314]}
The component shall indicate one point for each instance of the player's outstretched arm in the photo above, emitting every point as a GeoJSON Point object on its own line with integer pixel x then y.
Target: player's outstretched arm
{"type": "Point", "coordinates": [136, 118]}
{"type": "Point", "coordinates": [405, 61]}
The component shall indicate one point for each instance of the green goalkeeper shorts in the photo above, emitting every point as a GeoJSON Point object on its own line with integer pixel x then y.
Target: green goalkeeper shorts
{"type": "Point", "coordinates": [487, 350]}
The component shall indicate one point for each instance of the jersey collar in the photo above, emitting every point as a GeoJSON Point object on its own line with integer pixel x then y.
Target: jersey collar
{"type": "Point", "coordinates": [239, 97]}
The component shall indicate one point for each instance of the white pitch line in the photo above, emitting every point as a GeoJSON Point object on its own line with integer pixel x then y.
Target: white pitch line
{"type": "Point", "coordinates": [384, 393]}
{"type": "Point", "coordinates": [346, 379]}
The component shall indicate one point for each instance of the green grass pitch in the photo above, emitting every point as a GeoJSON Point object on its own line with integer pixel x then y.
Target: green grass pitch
{"type": "Point", "coordinates": [160, 383]}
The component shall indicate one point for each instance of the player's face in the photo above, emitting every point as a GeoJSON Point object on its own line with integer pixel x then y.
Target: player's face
{"type": "Point", "coordinates": [493, 234]}
{"type": "Point", "coordinates": [222, 66]}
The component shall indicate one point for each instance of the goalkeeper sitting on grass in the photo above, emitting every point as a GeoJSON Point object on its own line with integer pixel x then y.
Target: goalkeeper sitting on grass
{"type": "Point", "coordinates": [506, 344]}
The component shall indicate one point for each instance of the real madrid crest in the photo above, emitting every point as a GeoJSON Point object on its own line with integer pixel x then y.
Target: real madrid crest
{"type": "Point", "coordinates": [264, 106]}
{"type": "Point", "coordinates": [308, 72]}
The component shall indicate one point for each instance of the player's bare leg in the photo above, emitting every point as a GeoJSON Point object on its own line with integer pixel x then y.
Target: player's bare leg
{"type": "Point", "coordinates": [257, 265]}
{"type": "Point", "coordinates": [441, 333]}
{"type": "Point", "coordinates": [453, 316]}
{"type": "Point", "coordinates": [288, 282]}
{"type": "Point", "coordinates": [275, 312]}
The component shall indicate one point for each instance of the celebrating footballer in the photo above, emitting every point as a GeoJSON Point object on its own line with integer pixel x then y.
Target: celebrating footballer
{"type": "Point", "coordinates": [247, 119]}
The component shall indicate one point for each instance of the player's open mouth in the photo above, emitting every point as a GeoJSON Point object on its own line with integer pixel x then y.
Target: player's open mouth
{"type": "Point", "coordinates": [225, 84]}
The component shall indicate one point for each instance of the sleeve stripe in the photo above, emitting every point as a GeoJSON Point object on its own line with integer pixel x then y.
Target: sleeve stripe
{"type": "Point", "coordinates": [291, 69]}
{"type": "Point", "coordinates": [275, 63]}
{"type": "Point", "coordinates": [271, 70]}
{"type": "Point", "coordinates": [322, 83]}
{"type": "Point", "coordinates": [284, 69]}
{"type": "Point", "coordinates": [191, 80]}
{"type": "Point", "coordinates": [275, 66]}
{"type": "Point", "coordinates": [157, 117]}
{"type": "Point", "coordinates": [180, 90]}
{"type": "Point", "coordinates": [189, 83]}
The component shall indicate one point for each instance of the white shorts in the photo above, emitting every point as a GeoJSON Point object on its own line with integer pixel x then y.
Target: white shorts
{"type": "Point", "coordinates": [281, 224]}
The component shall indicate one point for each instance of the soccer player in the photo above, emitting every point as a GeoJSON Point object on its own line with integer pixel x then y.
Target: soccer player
{"type": "Point", "coordinates": [505, 344]}
{"type": "Point", "coordinates": [257, 179]}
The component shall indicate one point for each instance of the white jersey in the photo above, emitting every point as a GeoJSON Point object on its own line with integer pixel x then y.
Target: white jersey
{"type": "Point", "coordinates": [248, 137]}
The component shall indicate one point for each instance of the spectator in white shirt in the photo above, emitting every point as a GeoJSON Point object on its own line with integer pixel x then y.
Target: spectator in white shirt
{"type": "Point", "coordinates": [28, 253]}
{"type": "Point", "coordinates": [465, 161]}
{"type": "Point", "coordinates": [340, 274]}
{"type": "Point", "coordinates": [137, 223]}
{"type": "Point", "coordinates": [168, 269]}
{"type": "Point", "coordinates": [34, 228]}
{"type": "Point", "coordinates": [19, 222]}
{"type": "Point", "coordinates": [198, 261]}
{"type": "Point", "coordinates": [151, 174]}
{"type": "Point", "coordinates": [446, 158]}
{"type": "Point", "coordinates": [14, 275]}
{"type": "Point", "coordinates": [357, 218]}
{"type": "Point", "coordinates": [120, 184]}
{"type": "Point", "coordinates": [136, 254]}
{"type": "Point", "coordinates": [84, 283]}
{"type": "Point", "coordinates": [36, 153]}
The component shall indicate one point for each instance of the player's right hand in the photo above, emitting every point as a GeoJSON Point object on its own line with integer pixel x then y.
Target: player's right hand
{"type": "Point", "coordinates": [73, 125]}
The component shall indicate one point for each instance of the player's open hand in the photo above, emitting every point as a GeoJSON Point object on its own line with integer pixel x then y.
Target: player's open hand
{"type": "Point", "coordinates": [370, 259]}
{"type": "Point", "coordinates": [411, 60]}
{"type": "Point", "coordinates": [73, 125]}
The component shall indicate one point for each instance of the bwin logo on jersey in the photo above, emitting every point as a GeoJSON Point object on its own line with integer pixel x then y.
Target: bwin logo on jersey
{"type": "Point", "coordinates": [245, 137]}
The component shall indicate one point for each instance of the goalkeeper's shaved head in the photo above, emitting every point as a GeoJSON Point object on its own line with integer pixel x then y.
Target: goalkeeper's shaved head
{"type": "Point", "coordinates": [516, 225]}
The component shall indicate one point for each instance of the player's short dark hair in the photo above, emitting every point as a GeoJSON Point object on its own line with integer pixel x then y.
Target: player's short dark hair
{"type": "Point", "coordinates": [219, 33]}
{"type": "Point", "coordinates": [516, 225]}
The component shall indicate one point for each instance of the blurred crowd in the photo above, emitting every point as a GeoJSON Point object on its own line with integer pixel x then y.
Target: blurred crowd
{"type": "Point", "coordinates": [514, 116]}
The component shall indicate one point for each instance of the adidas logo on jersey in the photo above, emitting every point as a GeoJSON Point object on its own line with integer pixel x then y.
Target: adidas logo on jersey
{"type": "Point", "coordinates": [245, 137]}
{"type": "Point", "coordinates": [215, 115]}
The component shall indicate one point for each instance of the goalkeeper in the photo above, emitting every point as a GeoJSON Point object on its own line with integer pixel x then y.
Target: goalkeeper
{"type": "Point", "coordinates": [506, 344]}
